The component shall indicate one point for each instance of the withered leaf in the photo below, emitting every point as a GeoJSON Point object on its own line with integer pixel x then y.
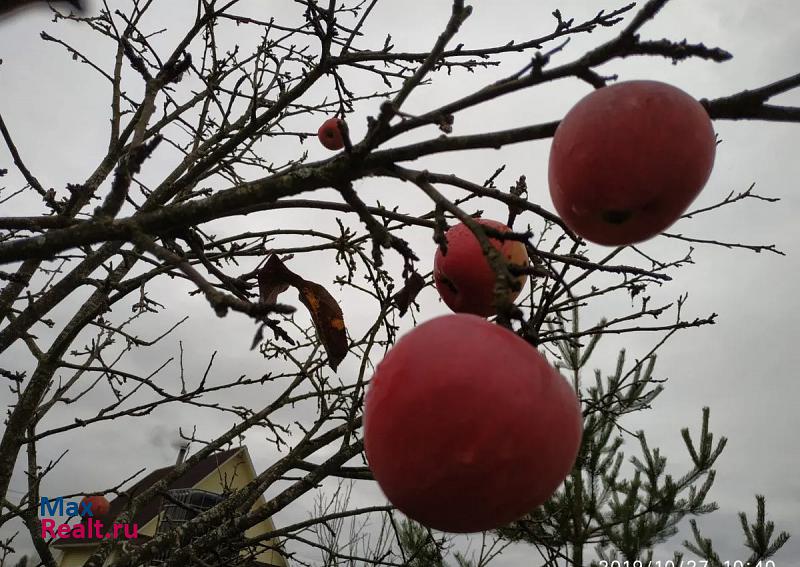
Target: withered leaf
{"type": "Point", "coordinates": [275, 278]}
{"type": "Point", "coordinates": [406, 296]}
{"type": "Point", "coordinates": [328, 320]}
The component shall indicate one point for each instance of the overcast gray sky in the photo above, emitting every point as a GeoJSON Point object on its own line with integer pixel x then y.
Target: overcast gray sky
{"type": "Point", "coordinates": [744, 367]}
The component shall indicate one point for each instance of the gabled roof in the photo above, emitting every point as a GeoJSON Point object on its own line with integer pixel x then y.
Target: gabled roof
{"type": "Point", "coordinates": [188, 479]}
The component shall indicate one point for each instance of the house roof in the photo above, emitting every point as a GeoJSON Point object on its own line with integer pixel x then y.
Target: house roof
{"type": "Point", "coordinates": [188, 479]}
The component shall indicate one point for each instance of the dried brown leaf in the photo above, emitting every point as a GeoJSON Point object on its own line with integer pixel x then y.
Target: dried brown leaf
{"type": "Point", "coordinates": [275, 278]}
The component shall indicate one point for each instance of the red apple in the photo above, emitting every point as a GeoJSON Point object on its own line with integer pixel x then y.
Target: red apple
{"type": "Point", "coordinates": [627, 160]}
{"type": "Point", "coordinates": [463, 276]}
{"type": "Point", "coordinates": [100, 505]}
{"type": "Point", "coordinates": [467, 427]}
{"type": "Point", "coordinates": [330, 134]}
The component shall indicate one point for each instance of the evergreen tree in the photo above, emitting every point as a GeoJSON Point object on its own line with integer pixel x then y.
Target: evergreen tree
{"type": "Point", "coordinates": [421, 548]}
{"type": "Point", "coordinates": [619, 511]}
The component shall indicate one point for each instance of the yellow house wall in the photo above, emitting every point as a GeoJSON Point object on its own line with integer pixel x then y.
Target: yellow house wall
{"type": "Point", "coordinates": [235, 473]}
{"type": "Point", "coordinates": [75, 557]}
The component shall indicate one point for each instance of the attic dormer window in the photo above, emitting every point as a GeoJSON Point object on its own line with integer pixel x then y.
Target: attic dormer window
{"type": "Point", "coordinates": [183, 504]}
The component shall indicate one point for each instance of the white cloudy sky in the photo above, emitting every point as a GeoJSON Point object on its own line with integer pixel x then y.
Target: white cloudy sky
{"type": "Point", "coordinates": [744, 367]}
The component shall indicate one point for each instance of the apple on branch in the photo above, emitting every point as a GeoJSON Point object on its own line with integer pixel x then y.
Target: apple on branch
{"type": "Point", "coordinates": [467, 427]}
{"type": "Point", "coordinates": [330, 134]}
{"type": "Point", "coordinates": [463, 275]}
{"type": "Point", "coordinates": [96, 503]}
{"type": "Point", "coordinates": [628, 159]}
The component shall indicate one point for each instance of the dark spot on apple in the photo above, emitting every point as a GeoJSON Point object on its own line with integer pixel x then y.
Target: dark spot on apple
{"type": "Point", "coordinates": [616, 217]}
{"type": "Point", "coordinates": [446, 281]}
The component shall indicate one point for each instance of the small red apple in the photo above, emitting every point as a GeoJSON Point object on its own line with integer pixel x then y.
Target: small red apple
{"type": "Point", "coordinates": [627, 160]}
{"type": "Point", "coordinates": [467, 427]}
{"type": "Point", "coordinates": [463, 276]}
{"type": "Point", "coordinates": [100, 505]}
{"type": "Point", "coordinates": [330, 134]}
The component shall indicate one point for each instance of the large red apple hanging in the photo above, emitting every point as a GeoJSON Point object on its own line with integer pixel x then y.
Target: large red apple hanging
{"type": "Point", "coordinates": [463, 276]}
{"type": "Point", "coordinates": [467, 427]}
{"type": "Point", "coordinates": [628, 159]}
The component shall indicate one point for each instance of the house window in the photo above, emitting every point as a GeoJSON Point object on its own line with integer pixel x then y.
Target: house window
{"type": "Point", "coordinates": [182, 505]}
